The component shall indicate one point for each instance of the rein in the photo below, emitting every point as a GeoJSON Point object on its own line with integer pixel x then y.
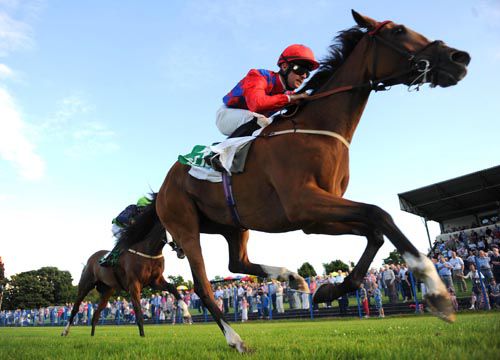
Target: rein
{"type": "Point", "coordinates": [145, 255]}
{"type": "Point", "coordinates": [423, 66]}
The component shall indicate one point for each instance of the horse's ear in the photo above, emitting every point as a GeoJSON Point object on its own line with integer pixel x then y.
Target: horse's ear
{"type": "Point", "coordinates": [364, 21]}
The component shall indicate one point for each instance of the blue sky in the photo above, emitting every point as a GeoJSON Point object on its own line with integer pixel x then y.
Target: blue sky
{"type": "Point", "coordinates": [97, 99]}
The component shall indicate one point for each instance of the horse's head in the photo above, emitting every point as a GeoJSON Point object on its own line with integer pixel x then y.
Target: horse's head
{"type": "Point", "coordinates": [400, 55]}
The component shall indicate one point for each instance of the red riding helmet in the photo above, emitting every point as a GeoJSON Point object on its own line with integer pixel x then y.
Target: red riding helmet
{"type": "Point", "coordinates": [298, 52]}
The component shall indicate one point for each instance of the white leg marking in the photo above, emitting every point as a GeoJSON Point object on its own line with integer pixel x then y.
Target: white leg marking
{"type": "Point", "coordinates": [66, 330]}
{"type": "Point", "coordinates": [232, 338]}
{"type": "Point", "coordinates": [426, 270]}
{"type": "Point", "coordinates": [281, 273]}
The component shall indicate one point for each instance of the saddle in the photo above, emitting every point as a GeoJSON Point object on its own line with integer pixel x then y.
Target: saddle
{"type": "Point", "coordinates": [246, 129]}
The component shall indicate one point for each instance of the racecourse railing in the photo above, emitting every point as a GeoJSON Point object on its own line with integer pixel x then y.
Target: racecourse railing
{"type": "Point", "coordinates": [265, 310]}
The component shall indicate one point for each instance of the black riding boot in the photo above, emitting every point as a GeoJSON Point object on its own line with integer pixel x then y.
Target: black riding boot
{"type": "Point", "coordinates": [111, 258]}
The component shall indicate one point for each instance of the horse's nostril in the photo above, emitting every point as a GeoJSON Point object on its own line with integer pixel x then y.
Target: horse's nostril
{"type": "Point", "coordinates": [460, 57]}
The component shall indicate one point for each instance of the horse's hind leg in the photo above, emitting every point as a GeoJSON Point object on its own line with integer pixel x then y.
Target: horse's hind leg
{"type": "Point", "coordinates": [86, 284]}
{"type": "Point", "coordinates": [239, 263]}
{"type": "Point", "coordinates": [105, 295]}
{"type": "Point", "coordinates": [315, 205]}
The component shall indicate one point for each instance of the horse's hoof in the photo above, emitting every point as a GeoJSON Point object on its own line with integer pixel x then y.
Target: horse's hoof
{"type": "Point", "coordinates": [241, 347]}
{"type": "Point", "coordinates": [300, 285]}
{"type": "Point", "coordinates": [441, 306]}
{"type": "Point", "coordinates": [323, 293]}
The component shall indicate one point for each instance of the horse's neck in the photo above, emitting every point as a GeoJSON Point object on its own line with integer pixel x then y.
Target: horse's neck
{"type": "Point", "coordinates": [341, 112]}
{"type": "Point", "coordinates": [150, 247]}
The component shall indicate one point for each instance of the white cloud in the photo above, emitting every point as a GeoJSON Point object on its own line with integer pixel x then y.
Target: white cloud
{"type": "Point", "coordinates": [14, 34]}
{"type": "Point", "coordinates": [75, 127]}
{"type": "Point", "coordinates": [15, 147]}
{"type": "Point", "coordinates": [5, 72]}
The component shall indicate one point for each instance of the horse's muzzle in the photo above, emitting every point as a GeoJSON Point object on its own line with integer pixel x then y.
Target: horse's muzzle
{"type": "Point", "coordinates": [451, 67]}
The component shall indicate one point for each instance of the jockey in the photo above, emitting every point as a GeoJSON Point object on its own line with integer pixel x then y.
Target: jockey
{"type": "Point", "coordinates": [263, 92]}
{"type": "Point", "coordinates": [124, 219]}
{"type": "Point", "coordinates": [119, 223]}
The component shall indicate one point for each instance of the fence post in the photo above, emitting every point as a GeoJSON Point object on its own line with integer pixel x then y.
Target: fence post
{"type": "Point", "coordinates": [235, 303]}
{"type": "Point", "coordinates": [270, 297]}
{"type": "Point", "coordinates": [65, 315]}
{"type": "Point", "coordinates": [483, 287]}
{"type": "Point", "coordinates": [89, 313]}
{"type": "Point", "coordinates": [414, 289]}
{"type": "Point", "coordinates": [359, 305]}
{"type": "Point", "coordinates": [311, 310]}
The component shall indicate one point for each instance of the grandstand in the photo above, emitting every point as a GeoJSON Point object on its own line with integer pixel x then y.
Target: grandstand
{"type": "Point", "coordinates": [467, 202]}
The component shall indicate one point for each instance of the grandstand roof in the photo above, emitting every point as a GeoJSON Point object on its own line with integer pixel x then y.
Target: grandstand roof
{"type": "Point", "coordinates": [469, 194]}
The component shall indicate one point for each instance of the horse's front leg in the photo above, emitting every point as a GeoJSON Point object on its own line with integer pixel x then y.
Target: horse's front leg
{"type": "Point", "coordinates": [328, 292]}
{"type": "Point", "coordinates": [105, 295]}
{"type": "Point", "coordinates": [315, 205]}
{"type": "Point", "coordinates": [239, 263]}
{"type": "Point", "coordinates": [135, 289]}
{"type": "Point", "coordinates": [192, 250]}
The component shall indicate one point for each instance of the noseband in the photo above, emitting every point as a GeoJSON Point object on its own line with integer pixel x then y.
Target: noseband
{"type": "Point", "coordinates": [416, 62]}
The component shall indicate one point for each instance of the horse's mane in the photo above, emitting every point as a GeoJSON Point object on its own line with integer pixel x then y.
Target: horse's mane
{"type": "Point", "coordinates": [142, 227]}
{"type": "Point", "coordinates": [344, 43]}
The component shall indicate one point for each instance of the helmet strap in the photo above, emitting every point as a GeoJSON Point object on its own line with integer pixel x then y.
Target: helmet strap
{"type": "Point", "coordinates": [284, 74]}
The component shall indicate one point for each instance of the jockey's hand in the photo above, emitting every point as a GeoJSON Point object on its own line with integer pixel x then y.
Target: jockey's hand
{"type": "Point", "coordinates": [297, 98]}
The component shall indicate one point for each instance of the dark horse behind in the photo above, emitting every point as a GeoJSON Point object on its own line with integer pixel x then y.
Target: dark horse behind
{"type": "Point", "coordinates": [279, 193]}
{"type": "Point", "coordinates": [140, 264]}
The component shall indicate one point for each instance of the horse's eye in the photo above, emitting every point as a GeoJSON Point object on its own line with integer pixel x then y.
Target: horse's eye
{"type": "Point", "coordinates": [399, 30]}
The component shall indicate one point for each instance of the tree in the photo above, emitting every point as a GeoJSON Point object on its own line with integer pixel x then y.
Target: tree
{"type": "Point", "coordinates": [43, 287]}
{"type": "Point", "coordinates": [2, 281]}
{"type": "Point", "coordinates": [306, 270]}
{"type": "Point", "coordinates": [394, 258]}
{"type": "Point", "coordinates": [60, 282]}
{"type": "Point", "coordinates": [334, 266]}
{"type": "Point", "coordinates": [177, 280]}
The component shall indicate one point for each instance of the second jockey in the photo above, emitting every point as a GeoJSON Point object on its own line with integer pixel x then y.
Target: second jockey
{"type": "Point", "coordinates": [263, 92]}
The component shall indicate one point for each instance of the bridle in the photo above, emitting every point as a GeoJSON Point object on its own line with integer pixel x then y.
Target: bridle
{"type": "Point", "coordinates": [416, 63]}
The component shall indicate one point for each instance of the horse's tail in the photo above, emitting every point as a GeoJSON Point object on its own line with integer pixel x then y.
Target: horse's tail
{"type": "Point", "coordinates": [142, 226]}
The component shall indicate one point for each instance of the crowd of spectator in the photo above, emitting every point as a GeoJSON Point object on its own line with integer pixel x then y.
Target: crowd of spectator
{"type": "Point", "coordinates": [471, 254]}
{"type": "Point", "coordinates": [160, 308]}
{"type": "Point", "coordinates": [461, 257]}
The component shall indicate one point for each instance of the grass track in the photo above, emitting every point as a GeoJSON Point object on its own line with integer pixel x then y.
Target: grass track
{"type": "Point", "coordinates": [472, 336]}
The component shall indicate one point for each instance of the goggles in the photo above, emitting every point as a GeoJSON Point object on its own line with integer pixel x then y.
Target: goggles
{"type": "Point", "coordinates": [300, 70]}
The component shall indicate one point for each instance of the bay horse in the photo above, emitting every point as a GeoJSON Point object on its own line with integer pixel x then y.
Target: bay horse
{"type": "Point", "coordinates": [139, 265]}
{"type": "Point", "coordinates": [297, 170]}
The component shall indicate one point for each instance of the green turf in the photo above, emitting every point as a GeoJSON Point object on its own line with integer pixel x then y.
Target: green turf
{"type": "Point", "coordinates": [472, 336]}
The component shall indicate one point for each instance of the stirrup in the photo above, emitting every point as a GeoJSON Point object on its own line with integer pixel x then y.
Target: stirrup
{"type": "Point", "coordinates": [214, 161]}
{"type": "Point", "coordinates": [105, 260]}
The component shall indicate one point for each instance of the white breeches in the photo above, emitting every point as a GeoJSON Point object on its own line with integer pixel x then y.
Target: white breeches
{"type": "Point", "coordinates": [229, 119]}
